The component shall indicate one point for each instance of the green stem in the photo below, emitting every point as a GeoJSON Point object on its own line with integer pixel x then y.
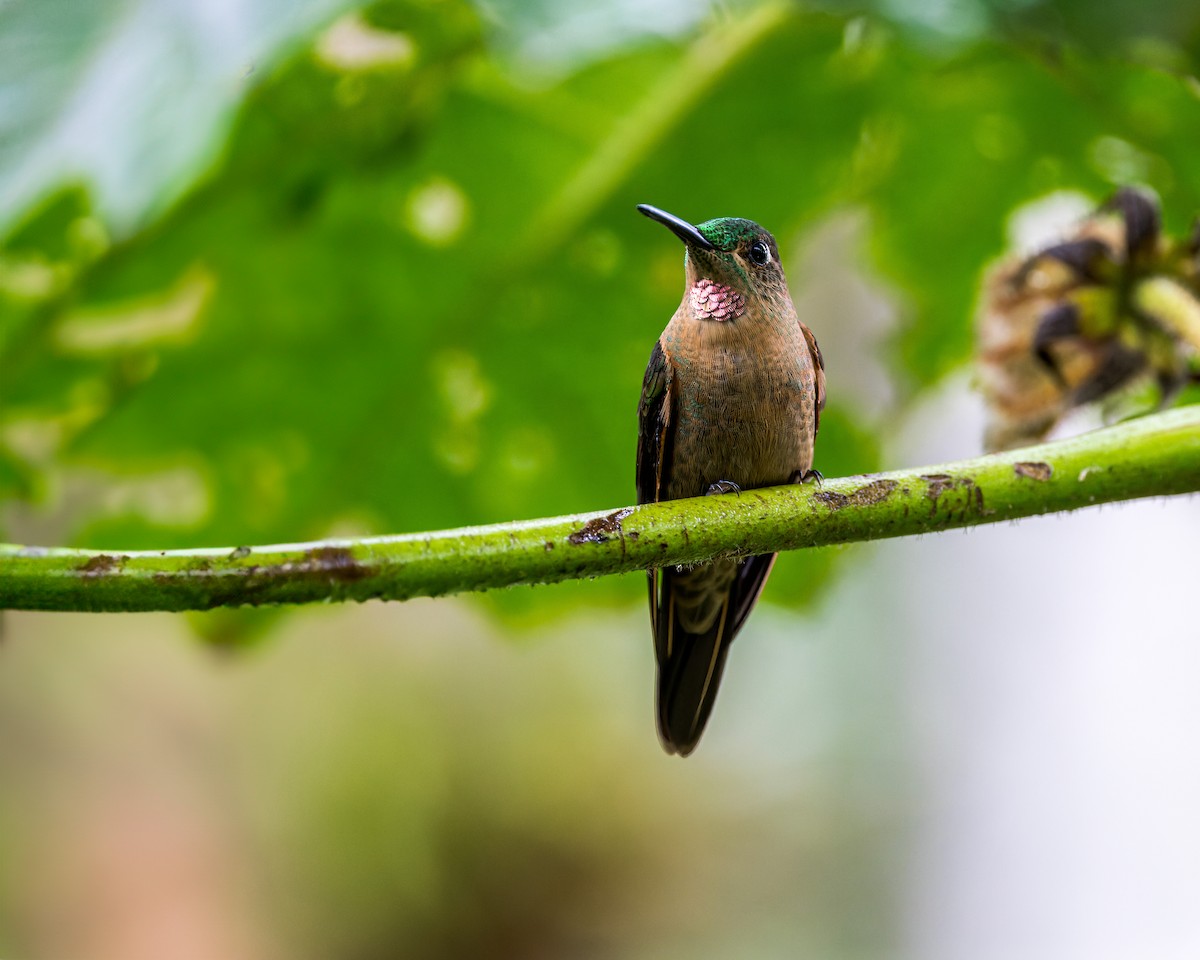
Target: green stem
{"type": "Point", "coordinates": [649, 122]}
{"type": "Point", "coordinates": [1153, 456]}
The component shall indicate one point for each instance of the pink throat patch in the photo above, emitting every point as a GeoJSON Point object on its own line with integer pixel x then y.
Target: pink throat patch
{"type": "Point", "coordinates": [715, 301]}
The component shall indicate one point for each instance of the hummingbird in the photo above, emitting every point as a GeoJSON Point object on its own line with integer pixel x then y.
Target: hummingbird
{"type": "Point", "coordinates": [731, 401]}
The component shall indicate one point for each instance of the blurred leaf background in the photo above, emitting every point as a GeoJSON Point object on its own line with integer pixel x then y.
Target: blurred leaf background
{"type": "Point", "coordinates": [275, 271]}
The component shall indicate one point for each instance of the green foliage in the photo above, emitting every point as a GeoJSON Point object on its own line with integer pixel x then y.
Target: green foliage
{"type": "Point", "coordinates": [132, 95]}
{"type": "Point", "coordinates": [413, 293]}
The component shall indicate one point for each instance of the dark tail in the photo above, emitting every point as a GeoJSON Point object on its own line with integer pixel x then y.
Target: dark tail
{"type": "Point", "coordinates": [697, 613]}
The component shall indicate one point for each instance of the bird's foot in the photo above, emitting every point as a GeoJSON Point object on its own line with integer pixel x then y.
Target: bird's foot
{"type": "Point", "coordinates": [806, 476]}
{"type": "Point", "coordinates": [723, 486]}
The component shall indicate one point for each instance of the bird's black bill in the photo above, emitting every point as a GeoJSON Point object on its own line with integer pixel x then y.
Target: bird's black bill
{"type": "Point", "coordinates": [681, 228]}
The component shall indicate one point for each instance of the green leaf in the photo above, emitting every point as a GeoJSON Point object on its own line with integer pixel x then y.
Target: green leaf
{"type": "Point", "coordinates": [130, 96]}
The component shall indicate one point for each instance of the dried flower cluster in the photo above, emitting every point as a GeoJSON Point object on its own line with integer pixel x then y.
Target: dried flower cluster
{"type": "Point", "coordinates": [1114, 305]}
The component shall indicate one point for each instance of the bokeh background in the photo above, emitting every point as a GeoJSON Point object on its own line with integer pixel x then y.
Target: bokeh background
{"type": "Point", "coordinates": [275, 270]}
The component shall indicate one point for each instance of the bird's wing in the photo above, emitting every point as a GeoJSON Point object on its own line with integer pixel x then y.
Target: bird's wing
{"type": "Point", "coordinates": [656, 429]}
{"type": "Point", "coordinates": [818, 363]}
{"type": "Point", "coordinates": [656, 425]}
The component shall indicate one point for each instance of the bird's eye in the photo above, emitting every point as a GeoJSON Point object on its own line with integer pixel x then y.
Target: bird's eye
{"type": "Point", "coordinates": [759, 253]}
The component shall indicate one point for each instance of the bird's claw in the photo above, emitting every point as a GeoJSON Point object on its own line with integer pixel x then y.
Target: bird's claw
{"type": "Point", "coordinates": [807, 476]}
{"type": "Point", "coordinates": [723, 486]}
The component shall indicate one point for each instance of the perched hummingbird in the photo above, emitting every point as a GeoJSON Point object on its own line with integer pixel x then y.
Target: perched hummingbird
{"type": "Point", "coordinates": [731, 400]}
